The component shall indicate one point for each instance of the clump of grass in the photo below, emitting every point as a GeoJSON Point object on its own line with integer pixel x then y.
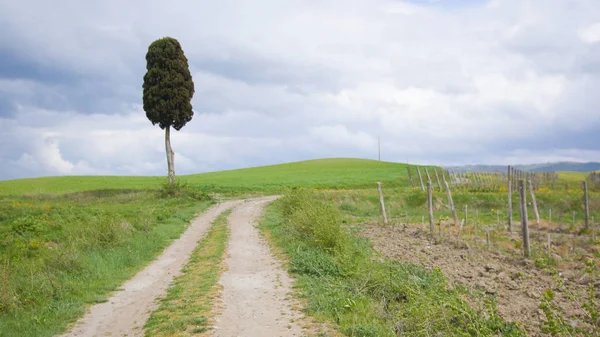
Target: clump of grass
{"type": "Point", "coordinates": [185, 308]}
{"type": "Point", "coordinates": [182, 189]}
{"type": "Point", "coordinates": [344, 283]}
{"type": "Point", "coordinates": [59, 254]}
{"type": "Point", "coordinates": [317, 223]}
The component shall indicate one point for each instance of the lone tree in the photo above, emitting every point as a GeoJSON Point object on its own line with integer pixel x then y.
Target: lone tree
{"type": "Point", "coordinates": [168, 91]}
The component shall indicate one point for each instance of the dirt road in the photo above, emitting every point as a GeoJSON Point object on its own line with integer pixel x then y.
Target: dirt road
{"type": "Point", "coordinates": [125, 313]}
{"type": "Point", "coordinates": [255, 287]}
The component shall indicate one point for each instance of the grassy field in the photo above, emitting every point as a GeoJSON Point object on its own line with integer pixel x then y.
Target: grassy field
{"type": "Point", "coordinates": [482, 212]}
{"type": "Point", "coordinates": [486, 207]}
{"type": "Point", "coordinates": [321, 173]}
{"type": "Point", "coordinates": [572, 177]}
{"type": "Point", "coordinates": [59, 254]}
{"type": "Point", "coordinates": [344, 283]}
{"type": "Point", "coordinates": [66, 242]}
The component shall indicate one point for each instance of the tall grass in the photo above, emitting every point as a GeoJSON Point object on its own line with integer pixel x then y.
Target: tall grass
{"type": "Point", "coordinates": [343, 281]}
{"type": "Point", "coordinates": [59, 254]}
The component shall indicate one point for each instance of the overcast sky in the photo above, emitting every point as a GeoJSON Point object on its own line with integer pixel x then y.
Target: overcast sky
{"type": "Point", "coordinates": [441, 82]}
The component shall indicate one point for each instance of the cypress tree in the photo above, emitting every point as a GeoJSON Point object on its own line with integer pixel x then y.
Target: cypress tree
{"type": "Point", "coordinates": [168, 91]}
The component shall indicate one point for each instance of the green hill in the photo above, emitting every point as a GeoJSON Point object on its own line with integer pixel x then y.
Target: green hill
{"type": "Point", "coordinates": [339, 173]}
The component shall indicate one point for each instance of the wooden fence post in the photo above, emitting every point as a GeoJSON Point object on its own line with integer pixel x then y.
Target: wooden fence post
{"type": "Point", "coordinates": [549, 243]}
{"type": "Point", "coordinates": [437, 177]}
{"type": "Point", "coordinates": [449, 194]}
{"type": "Point", "coordinates": [534, 202]}
{"type": "Point", "coordinates": [509, 199]}
{"type": "Point", "coordinates": [428, 176]}
{"type": "Point", "coordinates": [524, 225]}
{"type": "Point", "coordinates": [586, 205]}
{"type": "Point", "coordinates": [385, 220]}
{"type": "Point", "coordinates": [430, 207]}
{"type": "Point", "coordinates": [487, 238]}
{"type": "Point", "coordinates": [421, 179]}
{"type": "Point", "coordinates": [412, 182]}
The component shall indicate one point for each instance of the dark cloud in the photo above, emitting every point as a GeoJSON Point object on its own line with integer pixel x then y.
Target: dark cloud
{"type": "Point", "coordinates": [7, 106]}
{"type": "Point", "coordinates": [449, 81]}
{"type": "Point", "coordinates": [17, 65]}
{"type": "Point", "coordinates": [33, 84]}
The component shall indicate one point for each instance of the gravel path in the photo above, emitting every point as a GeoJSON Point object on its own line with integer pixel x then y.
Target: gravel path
{"type": "Point", "coordinates": [254, 299]}
{"type": "Point", "coordinates": [125, 313]}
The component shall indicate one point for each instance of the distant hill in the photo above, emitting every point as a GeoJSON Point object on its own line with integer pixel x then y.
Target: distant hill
{"type": "Point", "coordinates": [334, 173]}
{"type": "Point", "coordinates": [547, 167]}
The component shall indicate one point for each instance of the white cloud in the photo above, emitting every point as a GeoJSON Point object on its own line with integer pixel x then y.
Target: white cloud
{"type": "Point", "coordinates": [338, 136]}
{"type": "Point", "coordinates": [283, 81]}
{"type": "Point", "coordinates": [590, 34]}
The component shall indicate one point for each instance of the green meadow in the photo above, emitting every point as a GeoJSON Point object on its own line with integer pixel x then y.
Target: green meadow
{"type": "Point", "coordinates": [68, 242]}
{"type": "Point", "coordinates": [321, 174]}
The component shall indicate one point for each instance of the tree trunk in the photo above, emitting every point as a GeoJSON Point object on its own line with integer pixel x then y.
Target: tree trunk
{"type": "Point", "coordinates": [170, 156]}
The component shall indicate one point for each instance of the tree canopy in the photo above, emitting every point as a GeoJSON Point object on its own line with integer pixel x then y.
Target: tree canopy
{"type": "Point", "coordinates": [168, 85]}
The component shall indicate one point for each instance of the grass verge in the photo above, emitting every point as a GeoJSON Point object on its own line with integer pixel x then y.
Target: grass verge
{"type": "Point", "coordinates": [343, 281]}
{"type": "Point", "coordinates": [185, 309]}
{"type": "Point", "coordinates": [59, 254]}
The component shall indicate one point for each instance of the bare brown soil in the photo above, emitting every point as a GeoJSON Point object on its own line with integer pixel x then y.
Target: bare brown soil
{"type": "Point", "coordinates": [517, 283]}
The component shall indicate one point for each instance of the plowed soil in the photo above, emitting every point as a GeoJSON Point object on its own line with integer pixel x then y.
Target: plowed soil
{"type": "Point", "coordinates": [516, 282]}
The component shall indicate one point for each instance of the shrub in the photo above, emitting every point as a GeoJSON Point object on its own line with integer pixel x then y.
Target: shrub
{"type": "Point", "coordinates": [182, 189]}
{"type": "Point", "coordinates": [315, 222]}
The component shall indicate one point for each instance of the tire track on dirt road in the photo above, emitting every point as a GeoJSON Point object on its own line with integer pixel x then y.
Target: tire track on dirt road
{"type": "Point", "coordinates": [127, 310]}
{"type": "Point", "coordinates": [256, 288]}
